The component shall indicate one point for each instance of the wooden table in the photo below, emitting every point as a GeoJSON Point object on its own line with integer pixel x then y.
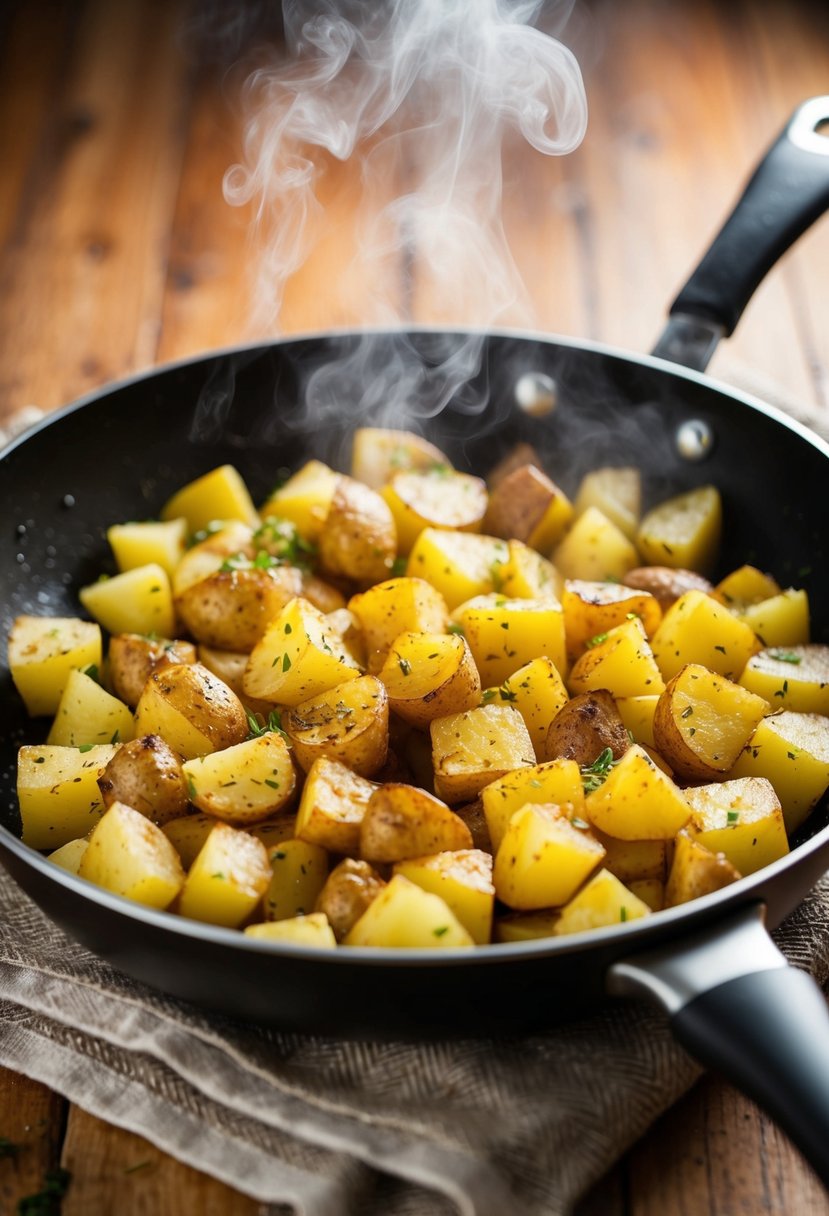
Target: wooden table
{"type": "Point", "coordinates": [119, 252]}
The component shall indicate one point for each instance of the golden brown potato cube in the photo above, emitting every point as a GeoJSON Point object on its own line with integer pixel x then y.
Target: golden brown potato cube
{"type": "Point", "coordinates": [637, 801]}
{"type": "Point", "coordinates": [187, 835]}
{"type": "Point", "coordinates": [505, 635]}
{"type": "Point", "coordinates": [621, 661]}
{"type": "Point", "coordinates": [404, 916]}
{"type": "Point", "coordinates": [434, 498]}
{"type": "Point", "coordinates": [395, 606]}
{"type": "Point", "coordinates": [617, 492]}
{"type": "Point", "coordinates": [794, 677]}
{"type": "Point", "coordinates": [146, 774]}
{"type": "Point", "coordinates": [404, 821]}
{"type": "Point", "coordinates": [298, 657]}
{"type": "Point", "coordinates": [595, 549]}
{"type": "Point", "coordinates": [543, 858]}
{"type": "Point", "coordinates": [129, 855]}
{"type": "Point", "coordinates": [57, 789]}
{"type": "Point", "coordinates": [525, 574]}
{"type": "Point", "coordinates": [231, 608]}
{"type": "Point", "coordinates": [666, 584]}
{"type": "Point", "coordinates": [583, 727]}
{"type": "Point", "coordinates": [591, 609]}
{"type": "Point", "coordinates": [557, 783]}
{"type": "Point", "coordinates": [745, 585]}
{"type": "Point", "coordinates": [231, 540]}
{"type": "Point", "coordinates": [132, 659]}
{"type": "Point", "coordinates": [43, 650]}
{"type": "Point", "coordinates": [684, 531]}
{"type": "Point", "coordinates": [298, 874]}
{"type": "Point", "coordinates": [229, 666]}
{"type": "Point", "coordinates": [696, 870]}
{"type": "Point", "coordinates": [349, 723]}
{"type": "Point", "coordinates": [429, 675]}
{"type": "Point", "coordinates": [304, 498]}
{"type": "Point", "coordinates": [463, 880]}
{"type": "Point", "coordinates": [526, 505]}
{"type": "Point", "coordinates": [312, 930]}
{"type": "Point", "coordinates": [632, 860]}
{"type": "Point", "coordinates": [741, 818]}
{"type": "Point", "coordinates": [348, 891]}
{"type": "Point", "coordinates": [359, 539]}
{"type": "Point", "coordinates": [702, 722]}
{"type": "Point", "coordinates": [346, 625]}
{"type": "Point", "coordinates": [227, 880]}
{"type": "Point", "coordinates": [537, 691]}
{"type": "Point", "coordinates": [792, 750]}
{"type": "Point", "coordinates": [473, 748]}
{"type": "Point", "coordinates": [193, 710]}
{"type": "Point", "coordinates": [332, 806]}
{"type": "Point", "coordinates": [602, 902]}
{"type": "Point", "coordinates": [378, 453]}
{"type": "Point", "coordinates": [457, 564]}
{"type": "Point", "coordinates": [516, 457]}
{"type": "Point", "coordinates": [696, 629]}
{"type": "Point", "coordinates": [219, 494]}
{"type": "Point", "coordinates": [243, 784]}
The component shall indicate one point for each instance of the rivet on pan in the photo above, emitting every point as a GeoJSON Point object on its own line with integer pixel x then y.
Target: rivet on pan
{"type": "Point", "coordinates": [536, 394]}
{"type": "Point", "coordinates": [694, 439]}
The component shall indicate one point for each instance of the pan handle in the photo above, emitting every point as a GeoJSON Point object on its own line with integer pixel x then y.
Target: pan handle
{"type": "Point", "coordinates": [787, 192]}
{"type": "Point", "coordinates": [737, 1006]}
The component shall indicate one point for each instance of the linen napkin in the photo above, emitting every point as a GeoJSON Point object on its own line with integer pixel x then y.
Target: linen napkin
{"type": "Point", "coordinates": [322, 1127]}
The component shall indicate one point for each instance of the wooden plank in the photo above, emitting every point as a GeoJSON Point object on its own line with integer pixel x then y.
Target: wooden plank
{"type": "Point", "coordinates": [31, 1129]}
{"type": "Point", "coordinates": [115, 1171]}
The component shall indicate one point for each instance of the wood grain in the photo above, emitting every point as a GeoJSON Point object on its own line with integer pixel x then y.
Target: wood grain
{"type": "Point", "coordinates": [31, 1127]}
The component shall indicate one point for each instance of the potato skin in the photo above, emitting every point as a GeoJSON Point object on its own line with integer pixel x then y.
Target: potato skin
{"type": "Point", "coordinates": [404, 821]}
{"type": "Point", "coordinates": [205, 701]}
{"type": "Point", "coordinates": [146, 774]}
{"type": "Point", "coordinates": [666, 585]}
{"type": "Point", "coordinates": [349, 889]}
{"type": "Point", "coordinates": [349, 724]}
{"type": "Point", "coordinates": [584, 726]}
{"type": "Point", "coordinates": [359, 540]}
{"type": "Point", "coordinates": [230, 609]}
{"type": "Point", "coordinates": [133, 658]}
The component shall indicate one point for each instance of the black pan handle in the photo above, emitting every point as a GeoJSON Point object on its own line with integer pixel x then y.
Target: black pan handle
{"type": "Point", "coordinates": [737, 1006]}
{"type": "Point", "coordinates": [787, 192]}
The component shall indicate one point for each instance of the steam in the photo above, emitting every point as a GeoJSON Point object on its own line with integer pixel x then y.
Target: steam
{"type": "Point", "coordinates": [425, 95]}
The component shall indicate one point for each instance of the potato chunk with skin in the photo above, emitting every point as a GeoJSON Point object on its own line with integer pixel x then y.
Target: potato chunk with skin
{"type": "Point", "coordinates": [595, 549]}
{"type": "Point", "coordinates": [137, 601]}
{"type": "Point", "coordinates": [187, 835]}
{"type": "Point", "coordinates": [298, 874]}
{"type": "Point", "coordinates": [430, 675]}
{"type": "Point", "coordinates": [637, 801]}
{"type": "Point", "coordinates": [543, 858]}
{"type": "Point", "coordinates": [349, 723]}
{"type": "Point", "coordinates": [745, 585]}
{"type": "Point", "coordinates": [245, 783]}
{"type": "Point", "coordinates": [794, 677]}
{"type": "Point", "coordinates": [463, 880]}
{"type": "Point", "coordinates": [683, 531]}
{"type": "Point", "coordinates": [378, 453]}
{"type": "Point", "coordinates": [57, 789]}
{"type": "Point", "coordinates": [782, 620]}
{"type": "Point", "coordinates": [227, 880]}
{"type": "Point", "coordinates": [621, 661]}
{"type": "Point", "coordinates": [702, 722]}
{"type": "Point", "coordinates": [403, 915]}
{"type": "Point", "coordinates": [666, 584]}
{"type": "Point", "coordinates": [632, 860]}
{"type": "Point", "coordinates": [617, 492]}
{"type": "Point", "coordinates": [89, 714]}
{"type": "Point", "coordinates": [232, 608]}
{"type": "Point", "coordinates": [504, 635]}
{"type": "Point", "coordinates": [526, 505]}
{"type": "Point", "coordinates": [298, 657]}
{"type": "Point", "coordinates": [591, 609]}
{"type": "Point", "coordinates": [43, 650]}
{"type": "Point", "coordinates": [434, 498]}
{"type": "Point", "coordinates": [146, 774]}
{"type": "Point", "coordinates": [348, 891]}
{"type": "Point", "coordinates": [219, 494]}
{"type": "Point", "coordinates": [332, 806]}
{"type": "Point", "coordinates": [129, 855]}
{"type": "Point", "coordinates": [741, 818]}
{"type": "Point", "coordinates": [792, 750]}
{"type": "Point", "coordinates": [229, 666]}
{"type": "Point", "coordinates": [602, 902]}
{"type": "Point", "coordinates": [696, 871]}
{"type": "Point", "coordinates": [473, 748]}
{"type": "Point", "coordinates": [395, 606]}
{"type": "Point", "coordinates": [404, 821]}
{"type": "Point", "coordinates": [696, 629]}
{"type": "Point", "coordinates": [69, 855]}
{"type": "Point", "coordinates": [133, 657]}
{"type": "Point", "coordinates": [457, 564]}
{"type": "Point", "coordinates": [312, 930]}
{"type": "Point", "coordinates": [557, 782]}
{"type": "Point", "coordinates": [305, 498]}
{"type": "Point", "coordinates": [193, 710]}
{"type": "Point", "coordinates": [208, 555]}
{"type": "Point", "coordinates": [525, 574]}
{"type": "Point", "coordinates": [359, 539]}
{"type": "Point", "coordinates": [584, 727]}
{"type": "Point", "coordinates": [537, 691]}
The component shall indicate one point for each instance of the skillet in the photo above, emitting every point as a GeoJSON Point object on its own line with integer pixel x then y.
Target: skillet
{"type": "Point", "coordinates": [119, 454]}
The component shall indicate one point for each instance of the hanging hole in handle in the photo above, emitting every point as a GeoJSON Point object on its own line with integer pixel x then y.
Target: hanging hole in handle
{"type": "Point", "coordinates": [809, 128]}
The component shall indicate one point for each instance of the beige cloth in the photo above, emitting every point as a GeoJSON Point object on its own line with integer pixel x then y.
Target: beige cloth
{"type": "Point", "coordinates": [322, 1127]}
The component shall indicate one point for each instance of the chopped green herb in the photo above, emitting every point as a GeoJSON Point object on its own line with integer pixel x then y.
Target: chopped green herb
{"type": "Point", "coordinates": [458, 629]}
{"type": "Point", "coordinates": [781, 692]}
{"type": "Point", "coordinates": [405, 666]}
{"type": "Point", "coordinates": [686, 713]}
{"type": "Point", "coordinates": [398, 567]}
{"type": "Point", "coordinates": [786, 656]}
{"type": "Point", "coordinates": [257, 728]}
{"type": "Point", "coordinates": [281, 541]}
{"type": "Point", "coordinates": [191, 789]}
{"type": "Point", "coordinates": [489, 694]}
{"type": "Point", "coordinates": [506, 693]}
{"type": "Point", "coordinates": [732, 816]}
{"type": "Point", "coordinates": [286, 662]}
{"type": "Point", "coordinates": [116, 738]}
{"type": "Point", "coordinates": [594, 775]}
{"type": "Point", "coordinates": [85, 747]}
{"type": "Point", "coordinates": [623, 913]}
{"type": "Point", "coordinates": [597, 640]}
{"type": "Point", "coordinates": [439, 932]}
{"type": "Point", "coordinates": [92, 672]}
{"type": "Point", "coordinates": [273, 784]}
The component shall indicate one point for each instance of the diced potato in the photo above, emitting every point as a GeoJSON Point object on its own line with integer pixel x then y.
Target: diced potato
{"type": "Point", "coordinates": [430, 675]}
{"type": "Point", "coordinates": [585, 727]}
{"type": "Point", "coordinates": [403, 821]}
{"type": "Point", "coordinates": [227, 880]}
{"type": "Point", "coordinates": [434, 498]}
{"type": "Point", "coordinates": [229, 666]}
{"type": "Point", "coordinates": [666, 584]}
{"type": "Point", "coordinates": [782, 620]}
{"type": "Point", "coordinates": [313, 930]}
{"type": "Point", "coordinates": [349, 723]}
{"type": "Point", "coordinates": [792, 750]}
{"type": "Point", "coordinates": [395, 606]}
{"type": "Point", "coordinates": [796, 677]}
{"type": "Point", "coordinates": [349, 889]}
{"type": "Point", "coordinates": [519, 454]}
{"type": "Point", "coordinates": [602, 902]}
{"type": "Point", "coordinates": [146, 774]}
{"type": "Point", "coordinates": [463, 880]}
{"type": "Point", "coordinates": [87, 713]}
{"type": "Point", "coordinates": [219, 494]}
{"type": "Point", "coordinates": [404, 916]}
{"type": "Point", "coordinates": [558, 782]}
{"type": "Point", "coordinates": [304, 499]}
{"type": "Point", "coordinates": [592, 609]}
{"type": "Point", "coordinates": [696, 871]}
{"type": "Point", "coordinates": [344, 622]}
{"type": "Point", "coordinates": [457, 564]}
{"type": "Point", "coordinates": [193, 710]}
{"type": "Point", "coordinates": [650, 890]}
{"type": "Point", "coordinates": [537, 691]}
{"type": "Point", "coordinates": [359, 539]}
{"type": "Point", "coordinates": [298, 657]}
{"type": "Point", "coordinates": [231, 608]}
{"type": "Point", "coordinates": [543, 858]}
{"type": "Point", "coordinates": [142, 544]}
{"type": "Point", "coordinates": [620, 661]}
{"type": "Point", "coordinates": [696, 629]}
{"type": "Point", "coordinates": [298, 874]}
{"type": "Point", "coordinates": [741, 818]}
{"type": "Point", "coordinates": [132, 658]}
{"type": "Point", "coordinates": [637, 715]}
{"type": "Point", "coordinates": [504, 635]}
{"type": "Point", "coordinates": [525, 926]}
{"type": "Point", "coordinates": [378, 453]}
{"type": "Point", "coordinates": [702, 722]}
{"type": "Point", "coordinates": [243, 784]}
{"type": "Point", "coordinates": [57, 788]}
{"type": "Point", "coordinates": [321, 594]}
{"type": "Point", "coordinates": [683, 531]}
{"type": "Point", "coordinates": [69, 855]}
{"type": "Point", "coordinates": [745, 585]}
{"type": "Point", "coordinates": [230, 540]}
{"type": "Point", "coordinates": [137, 601]}
{"type": "Point", "coordinates": [617, 492]}
{"type": "Point", "coordinates": [637, 801]}
{"type": "Point", "coordinates": [632, 860]}
{"type": "Point", "coordinates": [473, 748]}
{"type": "Point", "coordinates": [129, 855]}
{"type": "Point", "coordinates": [527, 506]}
{"type": "Point", "coordinates": [187, 835]}
{"type": "Point", "coordinates": [526, 575]}
{"type": "Point", "coordinates": [43, 650]}
{"type": "Point", "coordinates": [274, 831]}
{"type": "Point", "coordinates": [332, 806]}
{"type": "Point", "coordinates": [595, 549]}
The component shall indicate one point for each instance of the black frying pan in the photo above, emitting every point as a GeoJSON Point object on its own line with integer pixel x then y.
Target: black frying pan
{"type": "Point", "coordinates": [120, 453]}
